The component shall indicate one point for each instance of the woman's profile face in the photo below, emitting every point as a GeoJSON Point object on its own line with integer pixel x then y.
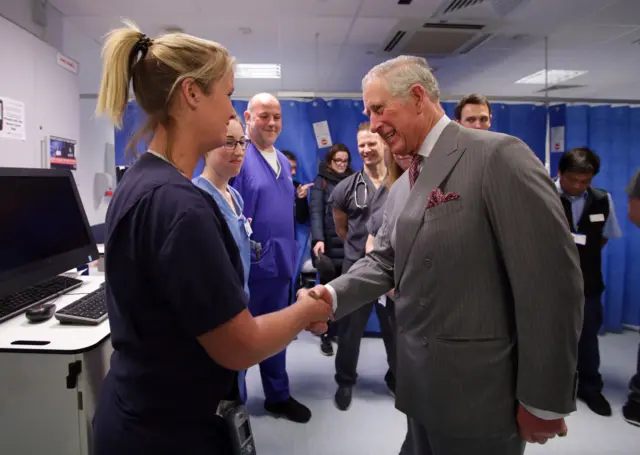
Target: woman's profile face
{"type": "Point", "coordinates": [214, 111]}
{"type": "Point", "coordinates": [227, 160]}
{"type": "Point", "coordinates": [339, 162]}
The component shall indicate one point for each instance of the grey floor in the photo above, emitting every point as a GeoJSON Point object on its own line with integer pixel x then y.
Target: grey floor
{"type": "Point", "coordinates": [372, 426]}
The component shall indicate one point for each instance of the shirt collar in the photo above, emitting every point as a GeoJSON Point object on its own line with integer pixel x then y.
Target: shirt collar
{"type": "Point", "coordinates": [562, 193]}
{"type": "Point", "coordinates": [433, 136]}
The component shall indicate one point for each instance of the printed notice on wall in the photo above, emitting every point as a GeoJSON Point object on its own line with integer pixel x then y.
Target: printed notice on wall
{"type": "Point", "coordinates": [557, 139]}
{"type": "Point", "coordinates": [12, 119]}
{"type": "Point", "coordinates": [323, 136]}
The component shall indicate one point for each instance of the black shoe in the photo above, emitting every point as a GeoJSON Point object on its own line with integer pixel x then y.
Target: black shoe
{"type": "Point", "coordinates": [326, 347]}
{"type": "Point", "coordinates": [342, 398]}
{"type": "Point", "coordinates": [289, 409]}
{"type": "Point", "coordinates": [597, 403]}
{"type": "Point", "coordinates": [631, 412]}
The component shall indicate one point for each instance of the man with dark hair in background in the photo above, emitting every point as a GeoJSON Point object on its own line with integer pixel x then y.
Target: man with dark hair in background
{"type": "Point", "coordinates": [474, 111]}
{"type": "Point", "coordinates": [301, 204]}
{"type": "Point", "coordinates": [631, 410]}
{"type": "Point", "coordinates": [592, 220]}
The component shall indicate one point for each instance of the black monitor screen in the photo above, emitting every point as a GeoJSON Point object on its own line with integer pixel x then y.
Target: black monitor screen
{"type": "Point", "coordinates": [120, 170]}
{"type": "Point", "coordinates": [41, 219]}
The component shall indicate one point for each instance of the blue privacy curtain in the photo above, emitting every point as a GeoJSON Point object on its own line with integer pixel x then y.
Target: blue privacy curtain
{"type": "Point", "coordinates": [526, 121]}
{"type": "Point", "coordinates": [614, 134]}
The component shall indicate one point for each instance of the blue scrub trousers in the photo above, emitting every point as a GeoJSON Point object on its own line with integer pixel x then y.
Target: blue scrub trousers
{"type": "Point", "coordinates": [269, 296]}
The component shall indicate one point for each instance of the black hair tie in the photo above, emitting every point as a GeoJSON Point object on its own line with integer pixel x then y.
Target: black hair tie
{"type": "Point", "coordinates": [143, 44]}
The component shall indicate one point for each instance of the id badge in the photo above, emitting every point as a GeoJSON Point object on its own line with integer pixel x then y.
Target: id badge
{"type": "Point", "coordinates": [247, 228]}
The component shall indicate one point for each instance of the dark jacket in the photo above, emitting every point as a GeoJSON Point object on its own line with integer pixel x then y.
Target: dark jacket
{"type": "Point", "coordinates": [323, 228]}
{"type": "Point", "coordinates": [301, 212]}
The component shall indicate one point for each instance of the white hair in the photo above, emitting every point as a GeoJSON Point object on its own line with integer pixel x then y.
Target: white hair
{"type": "Point", "coordinates": [401, 73]}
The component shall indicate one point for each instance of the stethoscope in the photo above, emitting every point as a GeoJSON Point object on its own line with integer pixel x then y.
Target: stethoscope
{"type": "Point", "coordinates": [360, 181]}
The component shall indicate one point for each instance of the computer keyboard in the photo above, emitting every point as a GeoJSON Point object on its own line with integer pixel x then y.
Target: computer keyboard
{"type": "Point", "coordinates": [88, 310]}
{"type": "Point", "coordinates": [21, 301]}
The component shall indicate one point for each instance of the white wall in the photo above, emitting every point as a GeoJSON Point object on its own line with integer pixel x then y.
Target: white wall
{"type": "Point", "coordinates": [53, 106]}
{"type": "Point", "coordinates": [95, 133]}
{"type": "Point", "coordinates": [20, 13]}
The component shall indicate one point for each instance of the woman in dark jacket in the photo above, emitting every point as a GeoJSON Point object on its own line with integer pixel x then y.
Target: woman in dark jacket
{"type": "Point", "coordinates": [324, 239]}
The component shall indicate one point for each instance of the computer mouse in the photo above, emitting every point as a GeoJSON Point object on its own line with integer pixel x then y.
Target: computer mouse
{"type": "Point", "coordinates": [41, 313]}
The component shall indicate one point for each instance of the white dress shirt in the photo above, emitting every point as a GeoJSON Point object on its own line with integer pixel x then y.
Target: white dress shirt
{"type": "Point", "coordinates": [425, 150]}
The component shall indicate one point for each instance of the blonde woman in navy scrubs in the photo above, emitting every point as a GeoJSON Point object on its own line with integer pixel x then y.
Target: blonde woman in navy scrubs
{"type": "Point", "coordinates": [180, 326]}
{"type": "Point", "coordinates": [221, 165]}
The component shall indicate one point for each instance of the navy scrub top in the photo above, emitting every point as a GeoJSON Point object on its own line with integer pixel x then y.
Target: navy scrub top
{"type": "Point", "coordinates": [173, 273]}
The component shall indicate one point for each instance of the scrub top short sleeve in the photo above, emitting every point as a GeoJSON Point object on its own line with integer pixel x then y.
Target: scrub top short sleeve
{"type": "Point", "coordinates": [188, 259]}
{"type": "Point", "coordinates": [339, 197]}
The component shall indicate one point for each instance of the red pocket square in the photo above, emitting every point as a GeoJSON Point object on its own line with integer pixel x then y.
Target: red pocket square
{"type": "Point", "coordinates": [437, 197]}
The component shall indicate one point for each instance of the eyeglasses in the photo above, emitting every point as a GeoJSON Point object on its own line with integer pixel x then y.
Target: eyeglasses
{"type": "Point", "coordinates": [231, 144]}
{"type": "Point", "coordinates": [340, 161]}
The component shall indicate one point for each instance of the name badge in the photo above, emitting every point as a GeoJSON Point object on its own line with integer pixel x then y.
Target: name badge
{"type": "Point", "coordinates": [579, 239]}
{"type": "Point", "coordinates": [247, 228]}
{"type": "Point", "coordinates": [596, 218]}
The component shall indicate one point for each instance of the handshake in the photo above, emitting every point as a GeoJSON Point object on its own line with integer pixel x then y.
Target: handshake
{"type": "Point", "coordinates": [318, 305]}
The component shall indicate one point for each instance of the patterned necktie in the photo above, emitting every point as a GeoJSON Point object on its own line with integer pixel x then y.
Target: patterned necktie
{"type": "Point", "coordinates": [414, 169]}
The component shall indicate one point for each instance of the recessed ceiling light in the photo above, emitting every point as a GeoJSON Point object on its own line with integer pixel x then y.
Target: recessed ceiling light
{"type": "Point", "coordinates": [257, 71]}
{"type": "Point", "coordinates": [553, 77]}
{"type": "Point", "coordinates": [245, 30]}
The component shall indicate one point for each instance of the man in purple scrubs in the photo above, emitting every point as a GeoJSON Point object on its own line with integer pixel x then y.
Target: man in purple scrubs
{"type": "Point", "coordinates": [265, 183]}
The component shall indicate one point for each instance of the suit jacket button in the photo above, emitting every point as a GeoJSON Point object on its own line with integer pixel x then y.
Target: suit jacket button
{"type": "Point", "coordinates": [427, 262]}
{"type": "Point", "coordinates": [400, 329]}
{"type": "Point", "coordinates": [425, 342]}
{"type": "Point", "coordinates": [422, 302]}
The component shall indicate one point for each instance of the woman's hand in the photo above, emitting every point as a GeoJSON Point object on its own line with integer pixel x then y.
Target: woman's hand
{"type": "Point", "coordinates": [318, 248]}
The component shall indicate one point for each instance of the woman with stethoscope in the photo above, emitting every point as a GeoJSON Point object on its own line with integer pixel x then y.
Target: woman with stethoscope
{"type": "Point", "coordinates": [351, 201]}
{"type": "Point", "coordinates": [221, 165]}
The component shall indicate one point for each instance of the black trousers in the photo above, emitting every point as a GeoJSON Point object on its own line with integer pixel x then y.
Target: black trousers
{"type": "Point", "coordinates": [589, 379]}
{"type": "Point", "coordinates": [350, 334]}
{"type": "Point", "coordinates": [635, 382]}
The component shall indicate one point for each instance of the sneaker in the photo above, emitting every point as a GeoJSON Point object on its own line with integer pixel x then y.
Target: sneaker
{"type": "Point", "coordinates": [343, 397]}
{"type": "Point", "coordinates": [289, 409]}
{"type": "Point", "coordinates": [326, 347]}
{"type": "Point", "coordinates": [597, 403]}
{"type": "Point", "coordinates": [631, 412]}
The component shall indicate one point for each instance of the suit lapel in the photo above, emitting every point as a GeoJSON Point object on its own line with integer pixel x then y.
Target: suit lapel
{"type": "Point", "coordinates": [435, 170]}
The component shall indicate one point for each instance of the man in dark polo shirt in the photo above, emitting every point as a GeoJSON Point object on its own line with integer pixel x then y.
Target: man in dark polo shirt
{"type": "Point", "coordinates": [631, 410]}
{"type": "Point", "coordinates": [592, 220]}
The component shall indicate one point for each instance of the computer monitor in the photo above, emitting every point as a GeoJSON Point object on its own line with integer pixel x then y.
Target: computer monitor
{"type": "Point", "coordinates": [44, 229]}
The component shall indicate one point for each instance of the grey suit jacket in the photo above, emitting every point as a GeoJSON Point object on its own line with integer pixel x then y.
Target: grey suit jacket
{"type": "Point", "coordinates": [488, 287]}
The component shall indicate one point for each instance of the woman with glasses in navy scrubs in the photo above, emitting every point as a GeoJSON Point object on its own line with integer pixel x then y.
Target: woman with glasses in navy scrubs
{"type": "Point", "coordinates": [174, 275]}
{"type": "Point", "coordinates": [221, 165]}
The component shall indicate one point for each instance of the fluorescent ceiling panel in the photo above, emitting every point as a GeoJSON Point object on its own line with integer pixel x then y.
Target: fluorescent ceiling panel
{"type": "Point", "coordinates": [554, 77]}
{"type": "Point", "coordinates": [257, 71]}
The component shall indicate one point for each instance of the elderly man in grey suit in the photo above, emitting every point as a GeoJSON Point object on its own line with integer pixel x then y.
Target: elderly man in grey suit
{"type": "Point", "coordinates": [487, 278]}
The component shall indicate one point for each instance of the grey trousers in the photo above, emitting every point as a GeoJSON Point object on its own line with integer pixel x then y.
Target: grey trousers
{"type": "Point", "coordinates": [425, 443]}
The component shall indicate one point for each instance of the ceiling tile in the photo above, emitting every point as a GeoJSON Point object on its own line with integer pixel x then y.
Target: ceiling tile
{"type": "Point", "coordinates": [390, 8]}
{"type": "Point", "coordinates": [332, 31]}
{"type": "Point", "coordinates": [371, 31]}
{"type": "Point", "coordinates": [579, 36]}
{"type": "Point", "coordinates": [625, 12]}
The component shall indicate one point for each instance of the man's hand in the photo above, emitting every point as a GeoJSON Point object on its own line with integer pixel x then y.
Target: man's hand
{"type": "Point", "coordinates": [535, 430]}
{"type": "Point", "coordinates": [319, 293]}
{"type": "Point", "coordinates": [303, 190]}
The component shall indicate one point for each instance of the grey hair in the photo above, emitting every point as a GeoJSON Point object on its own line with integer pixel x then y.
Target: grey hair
{"type": "Point", "coordinates": [401, 73]}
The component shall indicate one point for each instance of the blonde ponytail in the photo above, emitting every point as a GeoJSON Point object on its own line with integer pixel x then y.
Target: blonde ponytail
{"type": "Point", "coordinates": [116, 72]}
